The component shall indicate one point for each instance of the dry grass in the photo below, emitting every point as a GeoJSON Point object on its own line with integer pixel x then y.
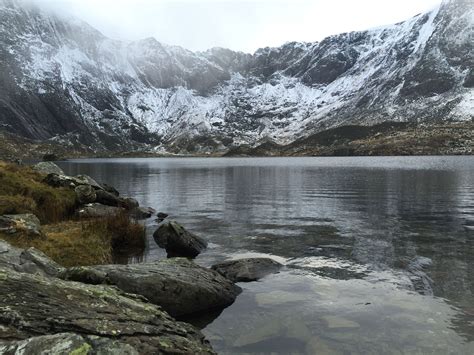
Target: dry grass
{"type": "Point", "coordinates": [22, 191]}
{"type": "Point", "coordinates": [80, 243]}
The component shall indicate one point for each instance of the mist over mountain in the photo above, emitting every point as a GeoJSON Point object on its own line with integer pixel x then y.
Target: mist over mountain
{"type": "Point", "coordinates": [62, 80]}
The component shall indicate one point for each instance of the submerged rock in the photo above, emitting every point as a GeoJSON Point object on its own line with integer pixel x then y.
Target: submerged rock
{"type": "Point", "coordinates": [85, 194]}
{"type": "Point", "coordinates": [20, 223]}
{"type": "Point", "coordinates": [97, 210]}
{"type": "Point", "coordinates": [33, 305]}
{"type": "Point", "coordinates": [67, 343]}
{"type": "Point", "coordinates": [178, 285]}
{"type": "Point", "coordinates": [47, 167]}
{"type": "Point", "coordinates": [245, 270]}
{"type": "Point", "coordinates": [178, 241]}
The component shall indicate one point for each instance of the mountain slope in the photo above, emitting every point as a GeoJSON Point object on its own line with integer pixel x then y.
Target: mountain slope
{"type": "Point", "coordinates": [62, 80]}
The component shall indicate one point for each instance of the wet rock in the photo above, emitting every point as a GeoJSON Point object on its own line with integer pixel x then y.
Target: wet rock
{"type": "Point", "coordinates": [33, 305]}
{"type": "Point", "coordinates": [178, 241]}
{"type": "Point", "coordinates": [20, 223]}
{"type": "Point", "coordinates": [85, 194]}
{"type": "Point", "coordinates": [142, 212]}
{"type": "Point", "coordinates": [106, 198]}
{"type": "Point", "coordinates": [67, 343]}
{"type": "Point", "coordinates": [129, 203]}
{"type": "Point", "coordinates": [110, 189]}
{"type": "Point", "coordinates": [47, 167]}
{"type": "Point", "coordinates": [245, 270]}
{"type": "Point", "coordinates": [30, 261]}
{"type": "Point", "coordinates": [161, 216]}
{"type": "Point", "coordinates": [97, 210]}
{"type": "Point", "coordinates": [178, 285]}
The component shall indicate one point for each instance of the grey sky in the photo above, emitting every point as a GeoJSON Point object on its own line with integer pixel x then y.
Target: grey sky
{"type": "Point", "coordinates": [237, 24]}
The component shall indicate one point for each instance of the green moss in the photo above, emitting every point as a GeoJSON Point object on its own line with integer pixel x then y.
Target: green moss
{"type": "Point", "coordinates": [84, 349]}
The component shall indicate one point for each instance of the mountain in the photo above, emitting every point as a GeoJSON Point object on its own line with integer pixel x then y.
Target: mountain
{"type": "Point", "coordinates": [62, 81]}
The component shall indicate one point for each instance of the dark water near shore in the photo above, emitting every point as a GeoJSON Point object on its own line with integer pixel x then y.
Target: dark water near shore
{"type": "Point", "coordinates": [379, 252]}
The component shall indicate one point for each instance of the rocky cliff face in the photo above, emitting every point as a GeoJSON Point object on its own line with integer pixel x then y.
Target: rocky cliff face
{"type": "Point", "coordinates": [62, 80]}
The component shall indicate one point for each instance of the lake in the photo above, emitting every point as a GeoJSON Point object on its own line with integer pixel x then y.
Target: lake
{"type": "Point", "coordinates": [378, 251]}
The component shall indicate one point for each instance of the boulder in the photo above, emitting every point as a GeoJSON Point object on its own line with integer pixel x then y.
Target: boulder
{"type": "Point", "coordinates": [30, 261]}
{"type": "Point", "coordinates": [142, 212]}
{"type": "Point", "coordinates": [110, 189]}
{"type": "Point", "coordinates": [65, 344]}
{"type": "Point", "coordinates": [47, 167]}
{"type": "Point", "coordinates": [87, 180]}
{"type": "Point", "coordinates": [178, 285]}
{"type": "Point", "coordinates": [129, 203]}
{"type": "Point", "coordinates": [27, 224]}
{"type": "Point", "coordinates": [33, 306]}
{"type": "Point", "coordinates": [161, 216]}
{"type": "Point", "coordinates": [60, 180]}
{"type": "Point", "coordinates": [97, 210]}
{"type": "Point", "coordinates": [178, 241]}
{"type": "Point", "coordinates": [106, 198]}
{"type": "Point", "coordinates": [85, 194]}
{"type": "Point", "coordinates": [42, 261]}
{"type": "Point", "coordinates": [245, 270]}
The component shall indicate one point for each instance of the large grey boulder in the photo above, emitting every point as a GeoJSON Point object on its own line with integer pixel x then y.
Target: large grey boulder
{"type": "Point", "coordinates": [30, 261]}
{"type": "Point", "coordinates": [32, 305]}
{"type": "Point", "coordinates": [178, 285]}
{"type": "Point", "coordinates": [85, 194]}
{"type": "Point", "coordinates": [67, 344]}
{"type": "Point", "coordinates": [97, 210]}
{"type": "Point", "coordinates": [26, 223]}
{"type": "Point", "coordinates": [245, 270]}
{"type": "Point", "coordinates": [47, 167]}
{"type": "Point", "coordinates": [177, 241]}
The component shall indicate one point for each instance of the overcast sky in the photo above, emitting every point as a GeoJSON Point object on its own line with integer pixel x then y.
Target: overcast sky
{"type": "Point", "coordinates": [237, 24]}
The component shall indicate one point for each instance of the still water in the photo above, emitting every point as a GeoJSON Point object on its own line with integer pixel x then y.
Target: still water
{"type": "Point", "coordinates": [378, 252]}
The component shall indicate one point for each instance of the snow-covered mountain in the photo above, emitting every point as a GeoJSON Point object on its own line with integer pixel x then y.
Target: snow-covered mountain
{"type": "Point", "coordinates": [61, 79]}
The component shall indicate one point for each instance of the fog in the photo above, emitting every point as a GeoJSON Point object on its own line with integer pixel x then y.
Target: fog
{"type": "Point", "coordinates": [236, 24]}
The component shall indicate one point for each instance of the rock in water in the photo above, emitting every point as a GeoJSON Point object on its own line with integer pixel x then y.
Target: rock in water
{"type": "Point", "coordinates": [111, 189]}
{"type": "Point", "coordinates": [20, 223]}
{"type": "Point", "coordinates": [178, 241]}
{"type": "Point", "coordinates": [96, 210]}
{"type": "Point", "coordinates": [47, 167]}
{"type": "Point", "coordinates": [85, 194]}
{"type": "Point", "coordinates": [178, 285]}
{"type": "Point", "coordinates": [245, 270]}
{"type": "Point", "coordinates": [33, 305]}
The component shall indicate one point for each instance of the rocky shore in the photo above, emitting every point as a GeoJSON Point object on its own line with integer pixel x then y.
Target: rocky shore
{"type": "Point", "coordinates": [110, 308]}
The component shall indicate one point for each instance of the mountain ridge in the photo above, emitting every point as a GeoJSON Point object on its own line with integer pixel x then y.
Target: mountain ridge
{"type": "Point", "coordinates": [63, 79]}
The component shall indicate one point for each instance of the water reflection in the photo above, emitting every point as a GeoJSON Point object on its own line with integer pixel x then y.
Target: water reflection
{"type": "Point", "coordinates": [406, 223]}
